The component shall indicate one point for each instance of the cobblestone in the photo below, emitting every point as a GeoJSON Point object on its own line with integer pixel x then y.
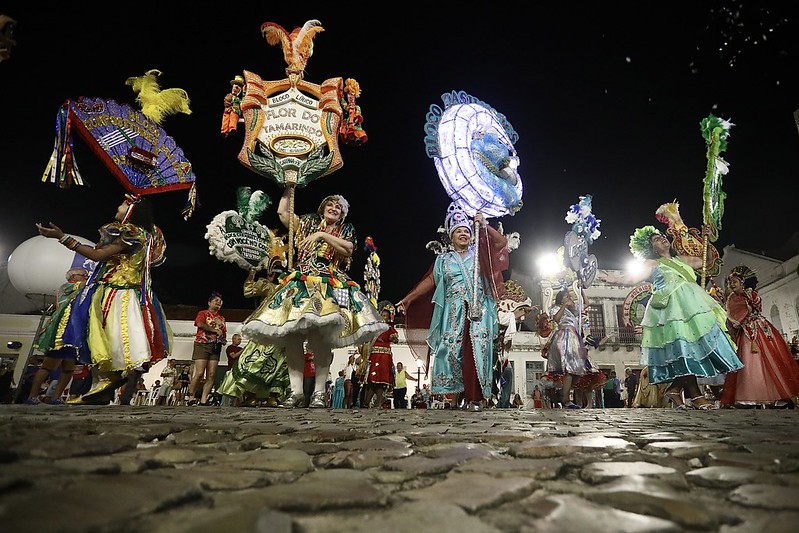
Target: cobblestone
{"type": "Point", "coordinates": [99, 469]}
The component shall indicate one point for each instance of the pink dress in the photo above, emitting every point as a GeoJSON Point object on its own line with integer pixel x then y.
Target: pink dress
{"type": "Point", "coordinates": [770, 373]}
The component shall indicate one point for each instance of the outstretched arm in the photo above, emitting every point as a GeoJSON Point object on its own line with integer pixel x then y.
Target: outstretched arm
{"type": "Point", "coordinates": [51, 231]}
{"type": "Point", "coordinates": [628, 278]}
{"type": "Point", "coordinates": [424, 286]}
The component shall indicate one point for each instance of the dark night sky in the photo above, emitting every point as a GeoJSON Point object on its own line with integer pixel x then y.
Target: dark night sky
{"type": "Point", "coordinates": [606, 98]}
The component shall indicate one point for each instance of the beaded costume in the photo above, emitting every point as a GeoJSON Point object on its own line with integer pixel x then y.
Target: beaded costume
{"type": "Point", "coordinates": [316, 300]}
{"type": "Point", "coordinates": [116, 322]}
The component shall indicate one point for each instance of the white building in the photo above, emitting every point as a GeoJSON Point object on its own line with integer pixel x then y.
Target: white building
{"type": "Point", "coordinates": [778, 288]}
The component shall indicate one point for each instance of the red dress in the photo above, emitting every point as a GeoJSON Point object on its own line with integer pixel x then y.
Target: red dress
{"type": "Point", "coordinates": [770, 373]}
{"type": "Point", "coordinates": [381, 360]}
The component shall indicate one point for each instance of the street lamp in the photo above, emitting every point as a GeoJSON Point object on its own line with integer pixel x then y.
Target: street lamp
{"type": "Point", "coordinates": [419, 373]}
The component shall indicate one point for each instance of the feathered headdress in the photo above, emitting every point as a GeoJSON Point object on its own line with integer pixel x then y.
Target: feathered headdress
{"type": "Point", "coordinates": [747, 276]}
{"type": "Point", "coordinates": [641, 241]}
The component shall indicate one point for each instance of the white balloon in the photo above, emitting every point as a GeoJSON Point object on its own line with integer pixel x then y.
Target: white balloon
{"type": "Point", "coordinates": [38, 266]}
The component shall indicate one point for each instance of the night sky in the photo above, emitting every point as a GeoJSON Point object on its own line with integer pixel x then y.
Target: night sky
{"type": "Point", "coordinates": [606, 98]}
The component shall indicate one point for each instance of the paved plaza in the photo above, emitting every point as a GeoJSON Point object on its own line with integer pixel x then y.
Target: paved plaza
{"type": "Point", "coordinates": [204, 469]}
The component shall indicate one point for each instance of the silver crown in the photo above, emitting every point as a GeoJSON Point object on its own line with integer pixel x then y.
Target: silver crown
{"type": "Point", "coordinates": [456, 217]}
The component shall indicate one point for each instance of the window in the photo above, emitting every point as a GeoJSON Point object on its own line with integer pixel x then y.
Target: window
{"type": "Point", "coordinates": [775, 318]}
{"type": "Point", "coordinates": [596, 321]}
{"type": "Point", "coordinates": [532, 374]}
{"type": "Point", "coordinates": [626, 333]}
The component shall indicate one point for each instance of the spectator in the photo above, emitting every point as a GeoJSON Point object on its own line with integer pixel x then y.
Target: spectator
{"type": "Point", "coordinates": [211, 335]}
{"type": "Point", "coordinates": [631, 386]}
{"type": "Point", "coordinates": [349, 375]}
{"type": "Point", "coordinates": [337, 397]}
{"type": "Point", "coordinates": [182, 385]}
{"type": "Point", "coordinates": [308, 380]}
{"type": "Point", "coordinates": [401, 387]}
{"type": "Point", "coordinates": [168, 375]}
{"type": "Point", "coordinates": [6, 382]}
{"type": "Point", "coordinates": [517, 401]}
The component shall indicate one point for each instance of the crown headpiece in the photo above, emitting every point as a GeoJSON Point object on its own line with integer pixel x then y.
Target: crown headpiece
{"type": "Point", "coordinates": [456, 217]}
{"type": "Point", "coordinates": [747, 275]}
{"type": "Point", "coordinates": [387, 306]}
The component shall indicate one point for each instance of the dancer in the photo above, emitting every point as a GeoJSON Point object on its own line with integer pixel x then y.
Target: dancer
{"type": "Point", "coordinates": [770, 376]}
{"type": "Point", "coordinates": [380, 366]}
{"type": "Point", "coordinates": [116, 321]}
{"type": "Point", "coordinates": [567, 352]}
{"type": "Point", "coordinates": [684, 330]}
{"type": "Point", "coordinates": [260, 373]}
{"type": "Point", "coordinates": [63, 359]}
{"type": "Point", "coordinates": [316, 302]}
{"type": "Point", "coordinates": [461, 334]}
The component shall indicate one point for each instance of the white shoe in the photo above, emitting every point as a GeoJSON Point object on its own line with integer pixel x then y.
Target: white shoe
{"type": "Point", "coordinates": [293, 400]}
{"type": "Point", "coordinates": [317, 400]}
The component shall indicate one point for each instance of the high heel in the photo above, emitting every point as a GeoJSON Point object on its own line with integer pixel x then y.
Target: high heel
{"type": "Point", "coordinates": [706, 406]}
{"type": "Point", "coordinates": [676, 398]}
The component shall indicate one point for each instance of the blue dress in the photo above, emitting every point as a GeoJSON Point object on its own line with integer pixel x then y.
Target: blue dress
{"type": "Point", "coordinates": [452, 299]}
{"type": "Point", "coordinates": [684, 328]}
{"type": "Point", "coordinates": [337, 400]}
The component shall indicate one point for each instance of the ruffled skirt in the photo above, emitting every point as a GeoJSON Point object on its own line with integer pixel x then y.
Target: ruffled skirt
{"type": "Point", "coordinates": [259, 371]}
{"type": "Point", "coordinates": [110, 327]}
{"type": "Point", "coordinates": [684, 336]}
{"type": "Point", "coordinates": [321, 310]}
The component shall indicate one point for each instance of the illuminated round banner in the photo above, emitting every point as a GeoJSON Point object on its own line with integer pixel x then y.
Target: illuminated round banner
{"type": "Point", "coordinates": [471, 145]}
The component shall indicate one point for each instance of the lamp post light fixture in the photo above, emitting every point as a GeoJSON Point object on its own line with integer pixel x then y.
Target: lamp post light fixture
{"type": "Point", "coordinates": [419, 373]}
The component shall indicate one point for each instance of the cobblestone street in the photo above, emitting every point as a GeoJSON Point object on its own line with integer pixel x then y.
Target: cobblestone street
{"type": "Point", "coordinates": [195, 469]}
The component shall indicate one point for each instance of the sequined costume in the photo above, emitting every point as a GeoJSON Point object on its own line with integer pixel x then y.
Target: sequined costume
{"type": "Point", "coordinates": [684, 330]}
{"type": "Point", "coordinates": [567, 352]}
{"type": "Point", "coordinates": [260, 370]}
{"type": "Point", "coordinates": [116, 322]}
{"type": "Point", "coordinates": [770, 373]}
{"type": "Point", "coordinates": [381, 359]}
{"type": "Point", "coordinates": [316, 301]}
{"type": "Point", "coordinates": [451, 328]}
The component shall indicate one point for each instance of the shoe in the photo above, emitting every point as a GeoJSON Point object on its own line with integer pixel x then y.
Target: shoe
{"type": "Point", "coordinates": [32, 401]}
{"type": "Point", "coordinates": [706, 406]}
{"type": "Point", "coordinates": [192, 402]}
{"type": "Point", "coordinates": [57, 401]}
{"type": "Point", "coordinates": [317, 400]}
{"type": "Point", "coordinates": [105, 385]}
{"type": "Point", "coordinates": [676, 399]}
{"type": "Point", "coordinates": [293, 400]}
{"type": "Point", "coordinates": [272, 402]}
{"type": "Point", "coordinates": [474, 407]}
{"type": "Point", "coordinates": [571, 405]}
